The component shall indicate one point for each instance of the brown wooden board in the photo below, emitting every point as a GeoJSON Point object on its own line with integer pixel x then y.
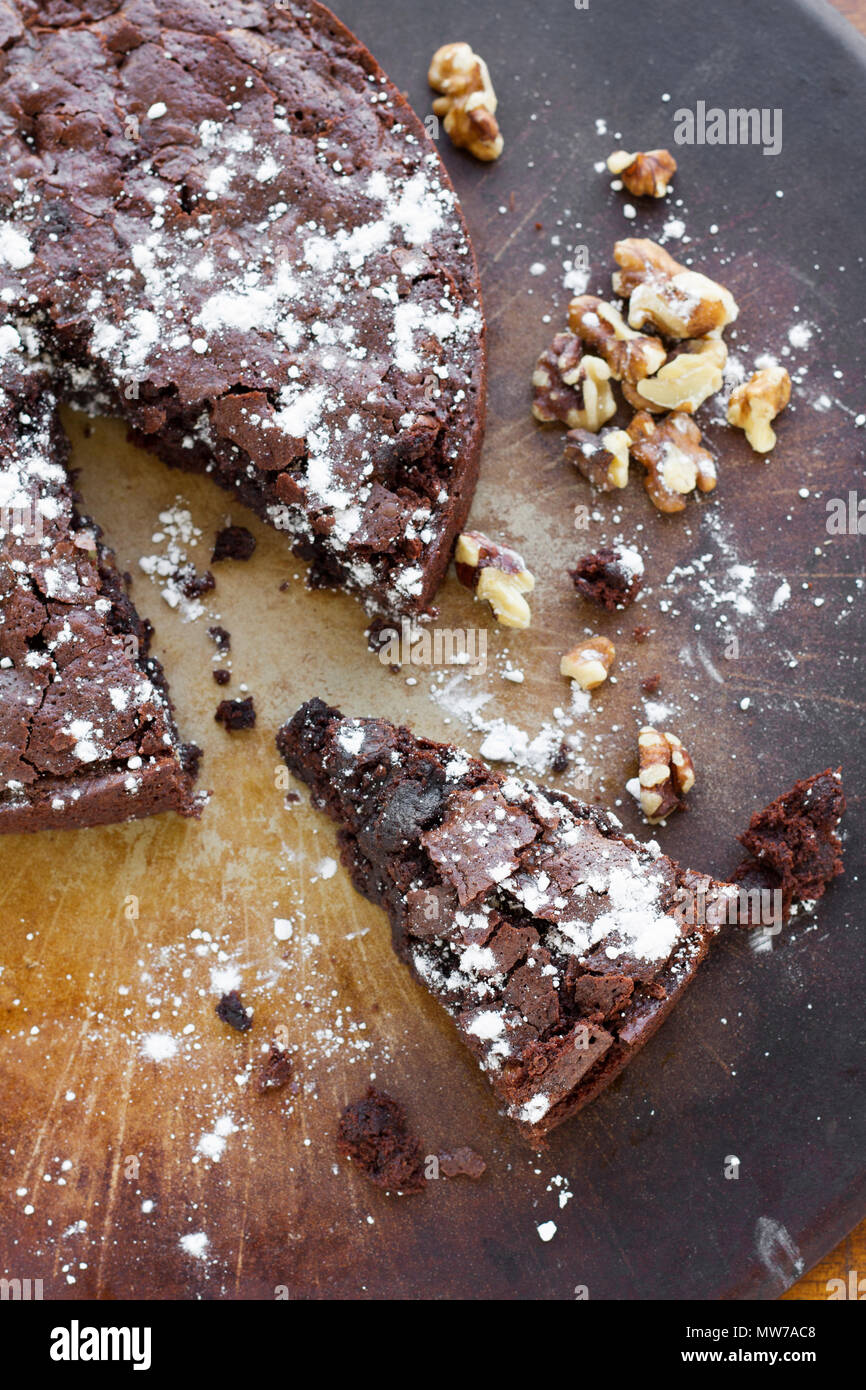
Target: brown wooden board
{"type": "Point", "coordinates": [108, 1157]}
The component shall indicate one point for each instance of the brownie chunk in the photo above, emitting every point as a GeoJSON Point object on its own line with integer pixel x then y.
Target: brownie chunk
{"type": "Point", "coordinates": [236, 714]}
{"type": "Point", "coordinates": [221, 638]}
{"type": "Point", "coordinates": [556, 942]}
{"type": "Point", "coordinates": [231, 1010]}
{"type": "Point", "coordinates": [275, 1071]}
{"type": "Point", "coordinates": [561, 759]}
{"type": "Point", "coordinates": [233, 543]}
{"type": "Point", "coordinates": [793, 844]}
{"type": "Point", "coordinates": [373, 1133]}
{"type": "Point", "coordinates": [609, 578]}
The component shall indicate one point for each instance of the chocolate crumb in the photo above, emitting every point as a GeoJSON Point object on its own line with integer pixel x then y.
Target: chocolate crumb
{"type": "Point", "coordinates": [373, 1133]}
{"type": "Point", "coordinates": [650, 684]}
{"type": "Point", "coordinates": [222, 677]}
{"type": "Point", "coordinates": [236, 714]}
{"type": "Point", "coordinates": [463, 1162]}
{"type": "Point", "coordinates": [193, 585]}
{"type": "Point", "coordinates": [609, 578]}
{"type": "Point", "coordinates": [221, 637]}
{"type": "Point", "coordinates": [190, 758]}
{"type": "Point", "coordinates": [231, 1010]}
{"type": "Point", "coordinates": [561, 759]}
{"type": "Point", "coordinates": [275, 1071]}
{"type": "Point", "coordinates": [233, 543]}
{"type": "Point", "coordinates": [642, 634]}
{"type": "Point", "coordinates": [379, 634]}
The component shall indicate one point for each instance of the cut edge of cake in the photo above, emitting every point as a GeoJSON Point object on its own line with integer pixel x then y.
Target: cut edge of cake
{"type": "Point", "coordinates": [87, 729]}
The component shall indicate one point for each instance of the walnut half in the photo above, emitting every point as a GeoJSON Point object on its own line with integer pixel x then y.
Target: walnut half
{"type": "Point", "coordinates": [670, 451]}
{"type": "Point", "coordinates": [468, 101]}
{"type": "Point", "coordinates": [754, 405]}
{"type": "Point", "coordinates": [602, 458]}
{"type": "Point", "coordinates": [666, 773]}
{"type": "Point", "coordinates": [589, 662]}
{"type": "Point", "coordinates": [629, 354]}
{"type": "Point", "coordinates": [645, 174]}
{"type": "Point", "coordinates": [680, 302]}
{"type": "Point", "coordinates": [571, 387]}
{"type": "Point", "coordinates": [496, 573]}
{"type": "Point", "coordinates": [693, 372]}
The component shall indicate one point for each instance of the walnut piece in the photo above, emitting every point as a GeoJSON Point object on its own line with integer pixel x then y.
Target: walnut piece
{"type": "Point", "coordinates": [603, 459]}
{"type": "Point", "coordinates": [468, 101]}
{"type": "Point", "coordinates": [589, 662]}
{"type": "Point", "coordinates": [456, 71]}
{"type": "Point", "coordinates": [666, 773]}
{"type": "Point", "coordinates": [496, 573]}
{"type": "Point", "coordinates": [670, 451]}
{"type": "Point", "coordinates": [693, 372]}
{"type": "Point", "coordinates": [570, 387]}
{"type": "Point", "coordinates": [680, 302]}
{"type": "Point", "coordinates": [755, 404]}
{"type": "Point", "coordinates": [645, 174]}
{"type": "Point", "coordinates": [628, 353]}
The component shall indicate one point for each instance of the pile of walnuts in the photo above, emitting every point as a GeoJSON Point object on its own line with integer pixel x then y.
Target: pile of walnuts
{"type": "Point", "coordinates": [663, 344]}
{"type": "Point", "coordinates": [667, 354]}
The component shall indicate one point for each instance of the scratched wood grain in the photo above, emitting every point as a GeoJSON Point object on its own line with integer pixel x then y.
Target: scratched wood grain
{"type": "Point", "coordinates": [854, 11]}
{"type": "Point", "coordinates": [113, 1158]}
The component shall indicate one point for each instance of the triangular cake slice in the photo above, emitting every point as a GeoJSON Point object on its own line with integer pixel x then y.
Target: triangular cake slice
{"type": "Point", "coordinates": [556, 942]}
{"type": "Point", "coordinates": [86, 728]}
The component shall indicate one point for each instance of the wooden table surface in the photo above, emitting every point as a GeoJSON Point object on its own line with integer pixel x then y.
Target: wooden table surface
{"type": "Point", "coordinates": [854, 11]}
{"type": "Point", "coordinates": [850, 1254]}
{"type": "Point", "coordinates": [136, 1174]}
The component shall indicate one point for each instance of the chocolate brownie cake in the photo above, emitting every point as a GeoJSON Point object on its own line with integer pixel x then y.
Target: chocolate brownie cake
{"type": "Point", "coordinates": [556, 942]}
{"type": "Point", "coordinates": [221, 221]}
{"type": "Point", "coordinates": [86, 728]}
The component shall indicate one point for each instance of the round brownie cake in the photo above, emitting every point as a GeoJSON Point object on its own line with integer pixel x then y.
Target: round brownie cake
{"type": "Point", "coordinates": [221, 221]}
